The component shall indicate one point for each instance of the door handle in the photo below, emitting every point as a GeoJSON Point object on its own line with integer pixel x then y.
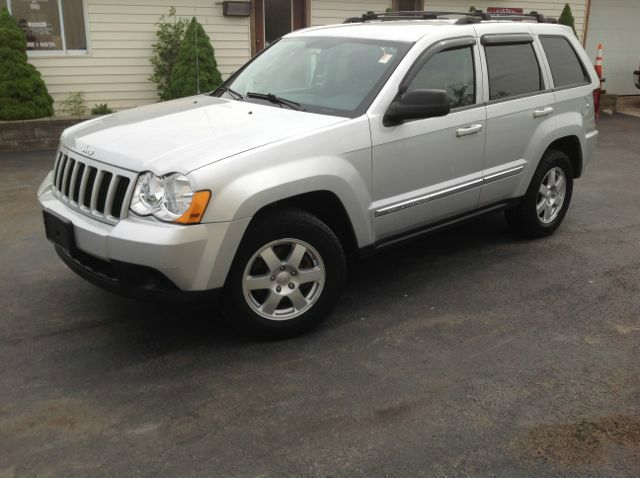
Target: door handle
{"type": "Point", "coordinates": [543, 112]}
{"type": "Point", "coordinates": [472, 129]}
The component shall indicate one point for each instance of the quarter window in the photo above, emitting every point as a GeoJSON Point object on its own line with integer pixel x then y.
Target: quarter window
{"type": "Point", "coordinates": [513, 70]}
{"type": "Point", "coordinates": [50, 25]}
{"type": "Point", "coordinates": [566, 68]}
{"type": "Point", "coordinates": [452, 71]}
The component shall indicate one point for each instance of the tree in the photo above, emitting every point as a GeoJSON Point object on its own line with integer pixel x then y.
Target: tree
{"type": "Point", "coordinates": [23, 94]}
{"type": "Point", "coordinates": [170, 34]}
{"type": "Point", "coordinates": [566, 18]}
{"type": "Point", "coordinates": [196, 69]}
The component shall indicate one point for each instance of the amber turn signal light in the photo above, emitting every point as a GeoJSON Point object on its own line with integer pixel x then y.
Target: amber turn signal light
{"type": "Point", "coordinates": [196, 210]}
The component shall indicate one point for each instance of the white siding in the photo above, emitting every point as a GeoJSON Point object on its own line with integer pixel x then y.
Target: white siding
{"type": "Point", "coordinates": [551, 8]}
{"type": "Point", "coordinates": [116, 69]}
{"type": "Point", "coordinates": [329, 12]}
{"type": "Point", "coordinates": [614, 23]}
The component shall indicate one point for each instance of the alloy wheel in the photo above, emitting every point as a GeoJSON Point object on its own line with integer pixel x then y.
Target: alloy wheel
{"type": "Point", "coordinates": [284, 279]}
{"type": "Point", "coordinates": [551, 195]}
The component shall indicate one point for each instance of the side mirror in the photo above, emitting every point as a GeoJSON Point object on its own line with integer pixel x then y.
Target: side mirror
{"type": "Point", "coordinates": [418, 104]}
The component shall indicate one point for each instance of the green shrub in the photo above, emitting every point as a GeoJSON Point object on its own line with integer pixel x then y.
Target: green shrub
{"type": "Point", "coordinates": [170, 34]}
{"type": "Point", "coordinates": [102, 109]}
{"type": "Point", "coordinates": [23, 94]}
{"type": "Point", "coordinates": [74, 104]}
{"type": "Point", "coordinates": [196, 69]}
{"type": "Point", "coordinates": [566, 18]}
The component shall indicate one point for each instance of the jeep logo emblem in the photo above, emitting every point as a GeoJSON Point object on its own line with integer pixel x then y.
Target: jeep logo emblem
{"type": "Point", "coordinates": [88, 150]}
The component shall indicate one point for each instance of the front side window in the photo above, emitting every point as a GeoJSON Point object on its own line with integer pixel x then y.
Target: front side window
{"type": "Point", "coordinates": [50, 25]}
{"type": "Point", "coordinates": [566, 68]}
{"type": "Point", "coordinates": [513, 70]}
{"type": "Point", "coordinates": [452, 71]}
{"type": "Point", "coordinates": [327, 75]}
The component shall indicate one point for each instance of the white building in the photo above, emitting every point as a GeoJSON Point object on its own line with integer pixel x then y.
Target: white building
{"type": "Point", "coordinates": [103, 47]}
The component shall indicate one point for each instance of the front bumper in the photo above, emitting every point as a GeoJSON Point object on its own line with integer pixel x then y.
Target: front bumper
{"type": "Point", "coordinates": [129, 280]}
{"type": "Point", "coordinates": [190, 258]}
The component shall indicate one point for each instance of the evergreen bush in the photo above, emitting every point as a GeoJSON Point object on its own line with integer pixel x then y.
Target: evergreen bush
{"type": "Point", "coordinates": [196, 69]}
{"type": "Point", "coordinates": [170, 34]}
{"type": "Point", "coordinates": [23, 94]}
{"type": "Point", "coordinates": [566, 18]}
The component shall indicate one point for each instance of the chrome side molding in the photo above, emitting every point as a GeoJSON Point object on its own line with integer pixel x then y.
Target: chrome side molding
{"type": "Point", "coordinates": [449, 191]}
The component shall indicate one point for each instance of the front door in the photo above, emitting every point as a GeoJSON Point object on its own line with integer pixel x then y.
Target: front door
{"type": "Point", "coordinates": [430, 169]}
{"type": "Point", "coordinates": [275, 18]}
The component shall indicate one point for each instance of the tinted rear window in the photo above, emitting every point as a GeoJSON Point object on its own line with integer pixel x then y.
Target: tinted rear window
{"type": "Point", "coordinates": [513, 70]}
{"type": "Point", "coordinates": [566, 68]}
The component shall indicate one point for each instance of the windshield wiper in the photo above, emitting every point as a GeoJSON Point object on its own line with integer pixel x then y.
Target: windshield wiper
{"type": "Point", "coordinates": [233, 93]}
{"type": "Point", "coordinates": [275, 99]}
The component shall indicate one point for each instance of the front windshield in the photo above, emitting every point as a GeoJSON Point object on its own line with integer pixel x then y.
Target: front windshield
{"type": "Point", "coordinates": [336, 76]}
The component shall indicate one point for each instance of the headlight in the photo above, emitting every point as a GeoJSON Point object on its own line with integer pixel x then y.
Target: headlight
{"type": "Point", "coordinates": [168, 198]}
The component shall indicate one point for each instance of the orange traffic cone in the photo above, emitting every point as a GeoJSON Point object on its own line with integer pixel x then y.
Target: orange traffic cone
{"type": "Point", "coordinates": [598, 64]}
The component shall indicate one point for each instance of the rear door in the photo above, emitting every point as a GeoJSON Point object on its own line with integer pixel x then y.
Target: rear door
{"type": "Point", "coordinates": [520, 112]}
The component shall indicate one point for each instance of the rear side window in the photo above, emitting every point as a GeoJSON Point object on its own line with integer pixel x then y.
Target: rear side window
{"type": "Point", "coordinates": [566, 68]}
{"type": "Point", "coordinates": [513, 70]}
{"type": "Point", "coordinates": [452, 71]}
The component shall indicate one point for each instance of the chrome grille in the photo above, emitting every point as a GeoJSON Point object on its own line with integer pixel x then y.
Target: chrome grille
{"type": "Point", "coordinates": [92, 188]}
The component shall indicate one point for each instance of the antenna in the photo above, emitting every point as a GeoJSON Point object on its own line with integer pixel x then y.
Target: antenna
{"type": "Point", "coordinates": [195, 34]}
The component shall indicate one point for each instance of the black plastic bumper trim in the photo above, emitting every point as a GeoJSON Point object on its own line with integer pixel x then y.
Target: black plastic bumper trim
{"type": "Point", "coordinates": [130, 280]}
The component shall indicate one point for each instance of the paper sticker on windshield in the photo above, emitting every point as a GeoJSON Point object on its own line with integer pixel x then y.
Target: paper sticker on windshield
{"type": "Point", "coordinates": [385, 58]}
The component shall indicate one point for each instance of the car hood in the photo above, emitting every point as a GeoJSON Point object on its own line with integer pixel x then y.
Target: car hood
{"type": "Point", "coordinates": [186, 134]}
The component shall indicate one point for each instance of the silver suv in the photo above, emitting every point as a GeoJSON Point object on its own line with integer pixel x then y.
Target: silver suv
{"type": "Point", "coordinates": [335, 141]}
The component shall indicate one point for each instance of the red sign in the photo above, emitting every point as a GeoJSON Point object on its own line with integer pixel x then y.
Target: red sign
{"type": "Point", "coordinates": [504, 10]}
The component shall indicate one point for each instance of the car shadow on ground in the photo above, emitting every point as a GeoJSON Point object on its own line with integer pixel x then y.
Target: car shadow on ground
{"type": "Point", "coordinates": [170, 326]}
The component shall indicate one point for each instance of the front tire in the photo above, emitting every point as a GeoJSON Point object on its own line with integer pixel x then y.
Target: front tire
{"type": "Point", "coordinates": [545, 204]}
{"type": "Point", "coordinates": [286, 277]}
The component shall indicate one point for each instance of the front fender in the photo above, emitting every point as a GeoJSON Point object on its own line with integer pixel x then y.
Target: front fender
{"type": "Point", "coordinates": [249, 193]}
{"type": "Point", "coordinates": [243, 185]}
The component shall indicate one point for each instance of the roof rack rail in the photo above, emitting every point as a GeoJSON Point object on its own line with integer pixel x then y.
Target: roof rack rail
{"type": "Point", "coordinates": [465, 17]}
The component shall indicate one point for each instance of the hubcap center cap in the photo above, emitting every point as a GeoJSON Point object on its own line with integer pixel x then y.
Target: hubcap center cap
{"type": "Point", "coordinates": [283, 278]}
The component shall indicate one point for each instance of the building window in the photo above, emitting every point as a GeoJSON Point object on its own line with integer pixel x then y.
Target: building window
{"type": "Point", "coordinates": [50, 25]}
{"type": "Point", "coordinates": [407, 5]}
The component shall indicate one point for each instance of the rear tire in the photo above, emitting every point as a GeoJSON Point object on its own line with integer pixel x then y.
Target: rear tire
{"type": "Point", "coordinates": [286, 277]}
{"type": "Point", "coordinates": [545, 204]}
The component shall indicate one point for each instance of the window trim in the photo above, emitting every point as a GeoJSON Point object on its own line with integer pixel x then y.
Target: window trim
{"type": "Point", "coordinates": [494, 39]}
{"type": "Point", "coordinates": [64, 51]}
{"type": "Point", "coordinates": [454, 43]}
{"type": "Point", "coordinates": [519, 97]}
{"type": "Point", "coordinates": [585, 72]}
{"type": "Point", "coordinates": [543, 86]}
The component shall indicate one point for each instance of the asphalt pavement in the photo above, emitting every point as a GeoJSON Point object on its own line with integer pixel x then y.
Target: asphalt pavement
{"type": "Point", "coordinates": [469, 353]}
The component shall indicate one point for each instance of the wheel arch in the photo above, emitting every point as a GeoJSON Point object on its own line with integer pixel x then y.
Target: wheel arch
{"type": "Point", "coordinates": [571, 146]}
{"type": "Point", "coordinates": [327, 207]}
